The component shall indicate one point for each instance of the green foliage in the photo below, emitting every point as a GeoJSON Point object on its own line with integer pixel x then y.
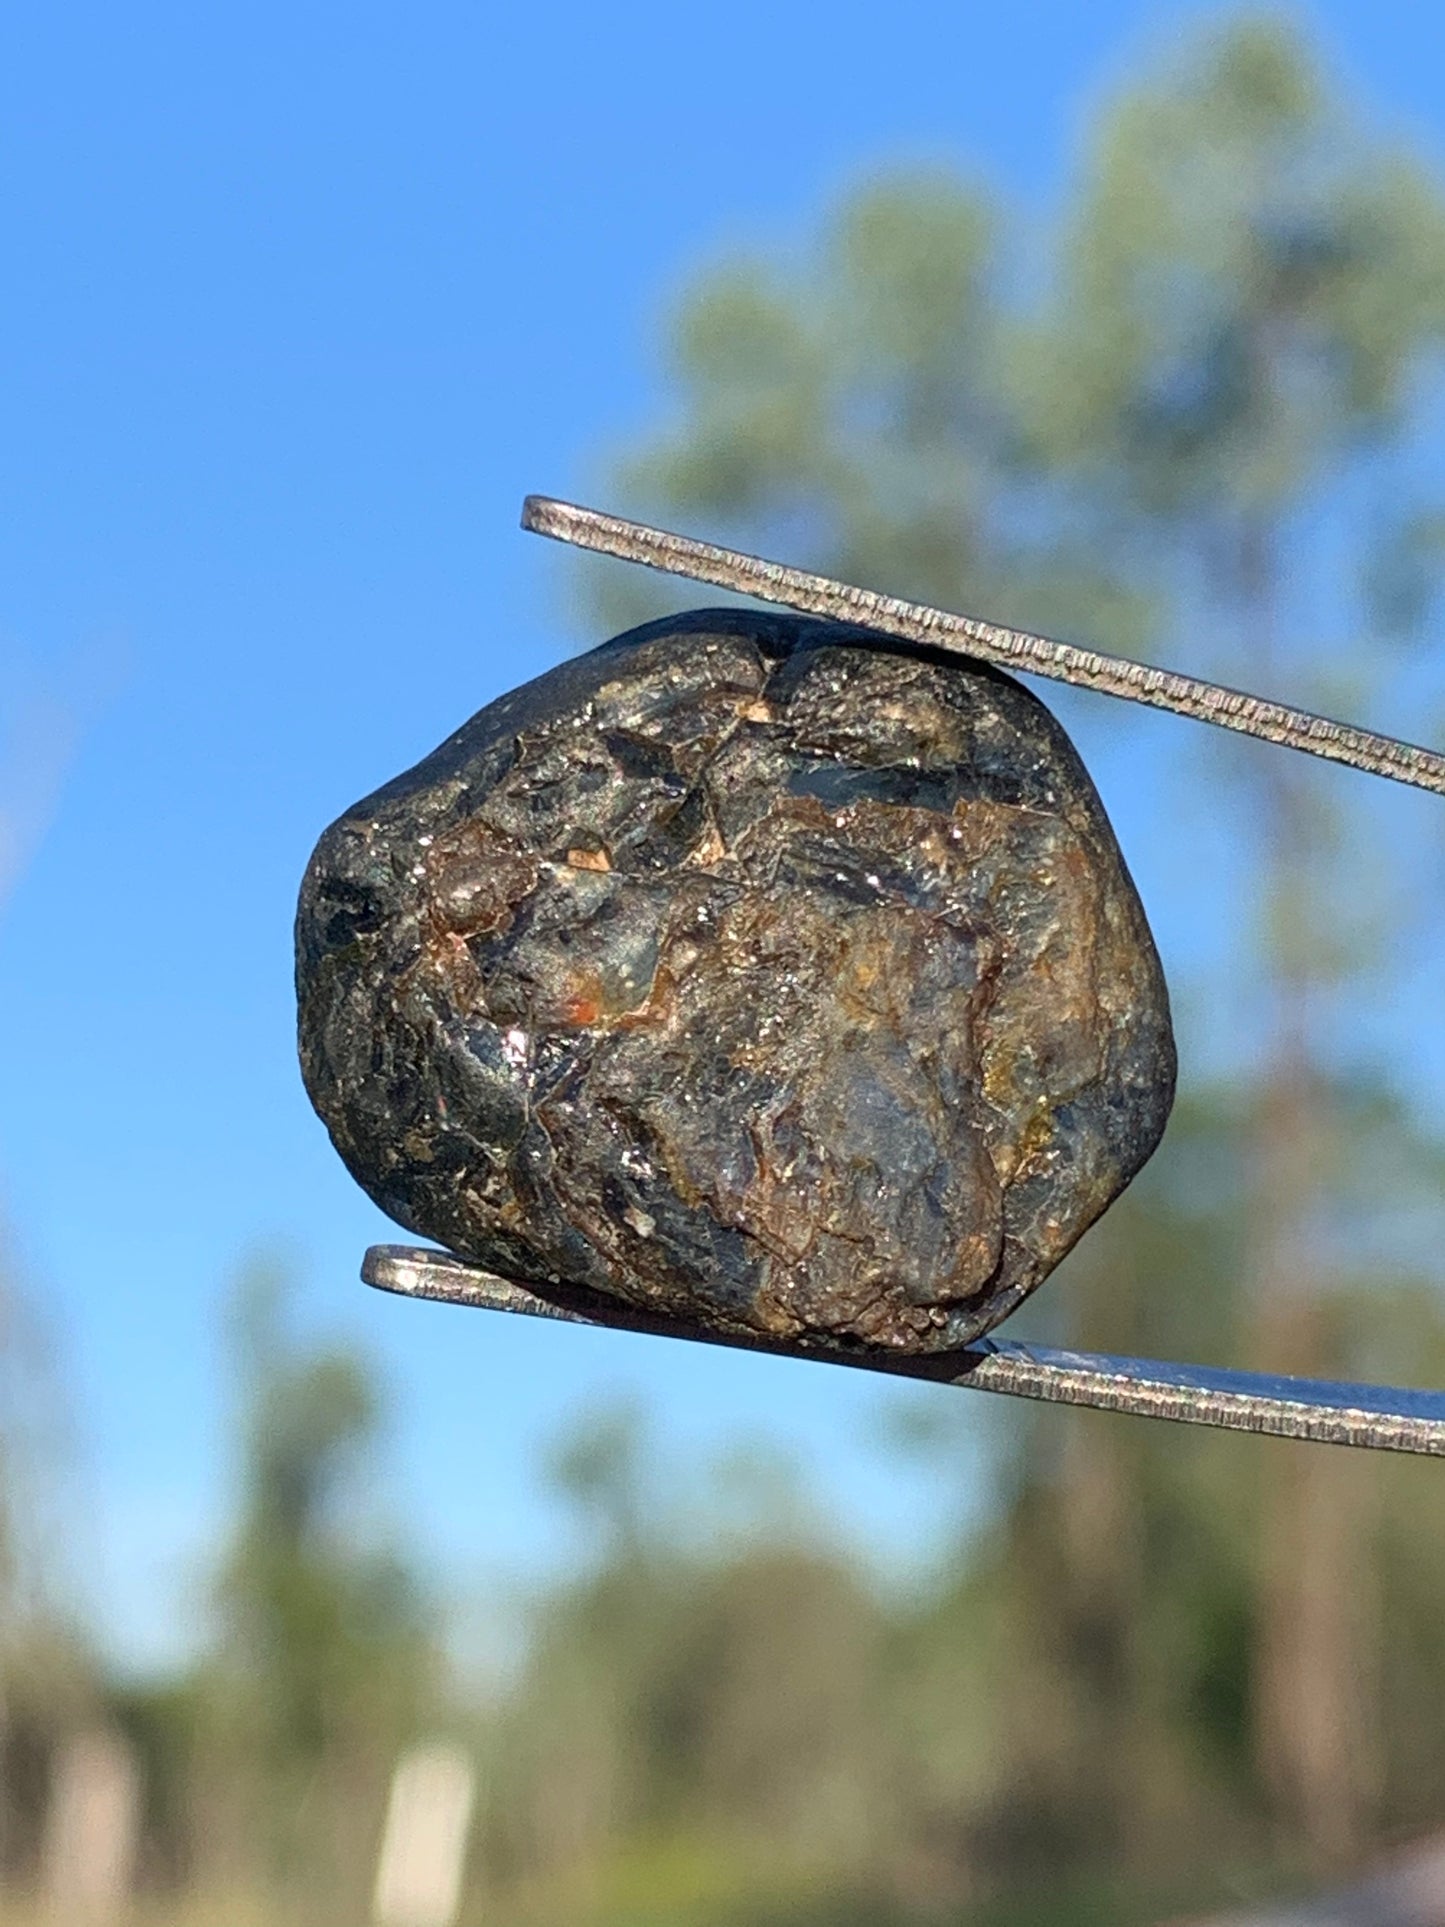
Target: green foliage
{"type": "Point", "coordinates": [50, 1683]}
{"type": "Point", "coordinates": [309, 1607]}
{"type": "Point", "coordinates": [326, 1661]}
{"type": "Point", "coordinates": [695, 1697]}
{"type": "Point", "coordinates": [863, 414]}
{"type": "Point", "coordinates": [1246, 287]}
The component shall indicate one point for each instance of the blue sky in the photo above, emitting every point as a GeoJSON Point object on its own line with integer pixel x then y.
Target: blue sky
{"type": "Point", "coordinates": [303, 300]}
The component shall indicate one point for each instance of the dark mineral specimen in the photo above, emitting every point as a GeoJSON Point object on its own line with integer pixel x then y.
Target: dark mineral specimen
{"type": "Point", "coordinates": [752, 970]}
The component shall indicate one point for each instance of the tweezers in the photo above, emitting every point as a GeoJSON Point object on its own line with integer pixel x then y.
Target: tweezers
{"type": "Point", "coordinates": [1389, 1418]}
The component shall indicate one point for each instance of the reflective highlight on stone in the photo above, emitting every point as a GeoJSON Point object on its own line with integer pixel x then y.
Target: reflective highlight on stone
{"type": "Point", "coordinates": [752, 970]}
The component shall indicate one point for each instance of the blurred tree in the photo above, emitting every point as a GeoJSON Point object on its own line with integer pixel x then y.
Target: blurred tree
{"type": "Point", "coordinates": [1101, 1634]}
{"type": "Point", "coordinates": [1203, 434]}
{"type": "Point", "coordinates": [1250, 295]}
{"type": "Point", "coordinates": [327, 1659]}
{"type": "Point", "coordinates": [699, 1720]}
{"type": "Point", "coordinates": [50, 1683]}
{"type": "Point", "coordinates": [49, 1680]}
{"type": "Point", "coordinates": [864, 418]}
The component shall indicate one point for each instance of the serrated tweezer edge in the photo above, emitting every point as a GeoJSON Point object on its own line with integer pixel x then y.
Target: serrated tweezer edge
{"type": "Point", "coordinates": [1381, 1416]}
{"type": "Point", "coordinates": [819, 595]}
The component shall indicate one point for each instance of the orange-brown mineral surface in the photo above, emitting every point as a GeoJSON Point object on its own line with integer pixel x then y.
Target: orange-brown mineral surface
{"type": "Point", "coordinates": [752, 970]}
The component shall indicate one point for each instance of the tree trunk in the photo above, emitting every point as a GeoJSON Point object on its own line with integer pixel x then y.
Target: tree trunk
{"type": "Point", "coordinates": [1312, 1707]}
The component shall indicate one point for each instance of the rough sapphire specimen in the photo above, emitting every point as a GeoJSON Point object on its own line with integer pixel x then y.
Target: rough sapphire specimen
{"type": "Point", "coordinates": [755, 971]}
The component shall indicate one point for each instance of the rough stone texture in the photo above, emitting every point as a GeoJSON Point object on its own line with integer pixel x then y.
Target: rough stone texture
{"type": "Point", "coordinates": [753, 970]}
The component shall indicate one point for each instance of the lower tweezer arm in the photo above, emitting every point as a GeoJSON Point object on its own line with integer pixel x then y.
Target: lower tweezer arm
{"type": "Point", "coordinates": [1385, 1417]}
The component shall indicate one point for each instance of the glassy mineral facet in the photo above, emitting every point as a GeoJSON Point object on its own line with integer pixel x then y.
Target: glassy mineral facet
{"type": "Point", "coordinates": [752, 970]}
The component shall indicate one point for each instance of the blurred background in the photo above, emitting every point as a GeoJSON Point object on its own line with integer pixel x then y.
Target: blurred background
{"type": "Point", "coordinates": [1121, 321]}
